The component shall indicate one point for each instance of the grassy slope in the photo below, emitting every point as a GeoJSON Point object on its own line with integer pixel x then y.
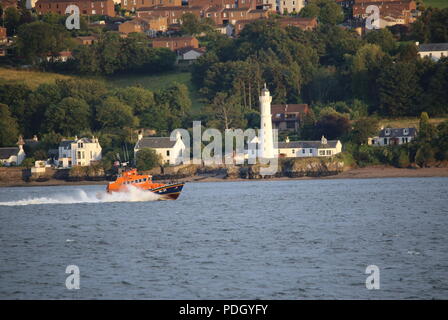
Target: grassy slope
{"type": "Point", "coordinates": [436, 3]}
{"type": "Point", "coordinates": [32, 78]}
{"type": "Point", "coordinates": [407, 122]}
{"type": "Point", "coordinates": [157, 82]}
{"type": "Point", "coordinates": [151, 82]}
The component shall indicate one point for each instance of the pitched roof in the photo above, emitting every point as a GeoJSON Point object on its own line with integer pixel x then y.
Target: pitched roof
{"type": "Point", "coordinates": [173, 8]}
{"type": "Point", "coordinates": [308, 144]}
{"type": "Point", "coordinates": [155, 143]}
{"type": "Point", "coordinates": [87, 37]}
{"type": "Point", "coordinates": [5, 153]}
{"type": "Point", "coordinates": [398, 132]}
{"type": "Point", "coordinates": [433, 47]}
{"type": "Point", "coordinates": [284, 108]}
{"type": "Point", "coordinates": [190, 48]}
{"type": "Point", "coordinates": [66, 144]}
{"type": "Point", "coordinates": [188, 38]}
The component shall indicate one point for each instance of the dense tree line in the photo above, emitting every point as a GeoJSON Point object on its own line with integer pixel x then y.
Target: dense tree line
{"type": "Point", "coordinates": [329, 67]}
{"type": "Point", "coordinates": [88, 107]}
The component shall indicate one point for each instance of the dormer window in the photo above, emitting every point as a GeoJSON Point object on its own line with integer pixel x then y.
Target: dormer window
{"type": "Point", "coordinates": [405, 131]}
{"type": "Point", "coordinates": [387, 132]}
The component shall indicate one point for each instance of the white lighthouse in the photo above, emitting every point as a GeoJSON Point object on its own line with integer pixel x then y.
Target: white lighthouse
{"type": "Point", "coordinates": [266, 141]}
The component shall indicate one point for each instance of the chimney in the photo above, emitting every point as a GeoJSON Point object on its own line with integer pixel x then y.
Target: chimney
{"type": "Point", "coordinates": [20, 142]}
{"type": "Point", "coordinates": [323, 140]}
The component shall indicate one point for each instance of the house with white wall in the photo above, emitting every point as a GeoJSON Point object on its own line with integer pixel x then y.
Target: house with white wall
{"type": "Point", "coordinates": [189, 55]}
{"type": "Point", "coordinates": [300, 149]}
{"type": "Point", "coordinates": [13, 156]}
{"type": "Point", "coordinates": [393, 136]}
{"type": "Point", "coordinates": [78, 152]}
{"type": "Point", "coordinates": [170, 152]}
{"type": "Point", "coordinates": [434, 51]}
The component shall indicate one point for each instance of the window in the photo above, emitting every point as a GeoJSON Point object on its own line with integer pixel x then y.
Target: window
{"type": "Point", "coordinates": [168, 153]}
{"type": "Point", "coordinates": [311, 150]}
{"type": "Point", "coordinates": [328, 152]}
{"type": "Point", "coordinates": [405, 131]}
{"type": "Point", "coordinates": [293, 151]}
{"type": "Point", "coordinates": [385, 140]}
{"type": "Point", "coordinates": [303, 150]}
{"type": "Point", "coordinates": [321, 152]}
{"type": "Point", "coordinates": [387, 132]}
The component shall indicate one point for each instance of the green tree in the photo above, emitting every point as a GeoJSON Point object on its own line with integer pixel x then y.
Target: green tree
{"type": "Point", "coordinates": [403, 159]}
{"type": "Point", "coordinates": [8, 127]}
{"type": "Point", "coordinates": [68, 117]}
{"type": "Point", "coordinates": [191, 24]}
{"type": "Point", "coordinates": [332, 126]}
{"type": "Point", "coordinates": [36, 40]}
{"type": "Point", "coordinates": [140, 99]}
{"type": "Point", "coordinates": [112, 113]}
{"type": "Point", "coordinates": [399, 90]}
{"type": "Point", "coordinates": [441, 142]}
{"type": "Point", "coordinates": [225, 112]}
{"type": "Point", "coordinates": [363, 129]}
{"type": "Point", "coordinates": [17, 97]}
{"type": "Point", "coordinates": [365, 68]}
{"type": "Point", "coordinates": [425, 155]}
{"type": "Point", "coordinates": [427, 131]}
{"type": "Point", "coordinates": [383, 38]}
{"type": "Point", "coordinates": [177, 97]}
{"type": "Point", "coordinates": [147, 159]}
{"type": "Point", "coordinates": [327, 11]}
{"type": "Point", "coordinates": [12, 20]}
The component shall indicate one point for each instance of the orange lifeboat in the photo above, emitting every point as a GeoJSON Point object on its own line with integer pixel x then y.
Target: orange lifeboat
{"type": "Point", "coordinates": [132, 178]}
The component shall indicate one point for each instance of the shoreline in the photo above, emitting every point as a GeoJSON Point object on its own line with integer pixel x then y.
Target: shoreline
{"type": "Point", "coordinates": [372, 172]}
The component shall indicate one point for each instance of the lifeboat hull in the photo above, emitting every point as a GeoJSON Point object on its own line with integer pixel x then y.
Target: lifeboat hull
{"type": "Point", "coordinates": [169, 191]}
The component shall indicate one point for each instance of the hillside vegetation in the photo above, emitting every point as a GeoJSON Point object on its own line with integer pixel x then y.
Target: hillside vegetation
{"type": "Point", "coordinates": [437, 3]}
{"type": "Point", "coordinates": [31, 78]}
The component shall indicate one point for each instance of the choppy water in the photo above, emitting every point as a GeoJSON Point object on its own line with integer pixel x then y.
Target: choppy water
{"type": "Point", "coordinates": [229, 240]}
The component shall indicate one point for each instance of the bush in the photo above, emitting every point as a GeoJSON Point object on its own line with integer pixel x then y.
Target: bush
{"type": "Point", "coordinates": [402, 159]}
{"type": "Point", "coordinates": [28, 163]}
{"type": "Point", "coordinates": [147, 159]}
{"type": "Point", "coordinates": [425, 155]}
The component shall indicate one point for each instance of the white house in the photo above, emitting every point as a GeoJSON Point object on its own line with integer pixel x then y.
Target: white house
{"type": "Point", "coordinates": [435, 51]}
{"type": "Point", "coordinates": [78, 152]}
{"type": "Point", "coordinates": [13, 156]}
{"type": "Point", "coordinates": [300, 149]}
{"type": "Point", "coordinates": [393, 136]}
{"type": "Point", "coordinates": [189, 54]}
{"type": "Point", "coordinates": [289, 6]}
{"type": "Point", "coordinates": [226, 29]}
{"type": "Point", "coordinates": [171, 152]}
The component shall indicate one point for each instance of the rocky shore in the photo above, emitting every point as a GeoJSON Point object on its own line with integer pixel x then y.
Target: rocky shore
{"type": "Point", "coordinates": [289, 169]}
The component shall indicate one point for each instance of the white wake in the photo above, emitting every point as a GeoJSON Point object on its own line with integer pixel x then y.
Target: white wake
{"type": "Point", "coordinates": [133, 194]}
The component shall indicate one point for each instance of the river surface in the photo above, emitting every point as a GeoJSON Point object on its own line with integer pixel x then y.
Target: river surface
{"type": "Point", "coordinates": [303, 239]}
